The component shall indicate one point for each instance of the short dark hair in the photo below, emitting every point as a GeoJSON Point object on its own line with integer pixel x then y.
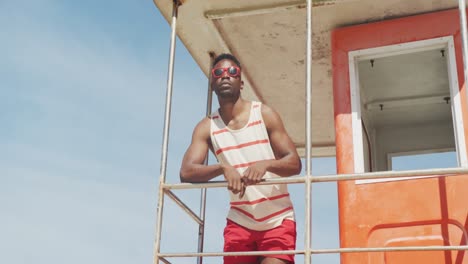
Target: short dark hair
{"type": "Point", "coordinates": [226, 56]}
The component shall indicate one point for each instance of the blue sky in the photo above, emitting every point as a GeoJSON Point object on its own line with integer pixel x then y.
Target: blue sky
{"type": "Point", "coordinates": [81, 108]}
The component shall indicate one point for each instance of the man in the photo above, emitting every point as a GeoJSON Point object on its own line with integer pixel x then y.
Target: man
{"type": "Point", "coordinates": [251, 144]}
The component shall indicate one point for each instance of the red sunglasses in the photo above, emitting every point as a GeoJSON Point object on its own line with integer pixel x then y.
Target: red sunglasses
{"type": "Point", "coordinates": [232, 71]}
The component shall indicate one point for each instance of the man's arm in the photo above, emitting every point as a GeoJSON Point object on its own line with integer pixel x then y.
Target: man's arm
{"type": "Point", "coordinates": [193, 168]}
{"type": "Point", "coordinates": [286, 162]}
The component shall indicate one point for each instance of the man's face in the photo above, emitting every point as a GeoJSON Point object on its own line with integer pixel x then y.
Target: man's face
{"type": "Point", "coordinates": [226, 85]}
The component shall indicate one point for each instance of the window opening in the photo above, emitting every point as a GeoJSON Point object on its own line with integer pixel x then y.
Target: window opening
{"type": "Point", "coordinates": [423, 160]}
{"type": "Point", "coordinates": [405, 99]}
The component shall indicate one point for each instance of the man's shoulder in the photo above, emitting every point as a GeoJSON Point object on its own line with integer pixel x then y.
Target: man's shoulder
{"type": "Point", "coordinates": [266, 110]}
{"type": "Point", "coordinates": [205, 121]}
{"type": "Point", "coordinates": [270, 116]}
{"type": "Point", "coordinates": [204, 125]}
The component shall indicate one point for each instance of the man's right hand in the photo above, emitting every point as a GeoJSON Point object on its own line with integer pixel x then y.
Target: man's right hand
{"type": "Point", "coordinates": [234, 179]}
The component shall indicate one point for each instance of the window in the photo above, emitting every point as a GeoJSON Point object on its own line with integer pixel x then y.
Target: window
{"type": "Point", "coordinates": [406, 107]}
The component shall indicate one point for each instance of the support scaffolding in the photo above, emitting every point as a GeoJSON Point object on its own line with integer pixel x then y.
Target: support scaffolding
{"type": "Point", "coordinates": [307, 179]}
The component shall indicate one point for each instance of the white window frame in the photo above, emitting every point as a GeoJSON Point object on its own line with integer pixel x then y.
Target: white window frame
{"type": "Point", "coordinates": [398, 49]}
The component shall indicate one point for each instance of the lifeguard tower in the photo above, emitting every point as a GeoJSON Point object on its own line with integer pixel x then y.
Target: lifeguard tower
{"type": "Point", "coordinates": [365, 81]}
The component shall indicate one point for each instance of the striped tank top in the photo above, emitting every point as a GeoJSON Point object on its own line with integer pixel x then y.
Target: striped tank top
{"type": "Point", "coordinates": [263, 207]}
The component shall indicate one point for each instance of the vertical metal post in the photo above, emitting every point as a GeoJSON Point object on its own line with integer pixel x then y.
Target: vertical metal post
{"type": "Point", "coordinates": [308, 204]}
{"type": "Point", "coordinates": [463, 29]}
{"type": "Point", "coordinates": [164, 149]}
{"type": "Point", "coordinates": [201, 228]}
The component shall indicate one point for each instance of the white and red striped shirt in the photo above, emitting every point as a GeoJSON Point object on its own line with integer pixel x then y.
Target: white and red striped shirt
{"type": "Point", "coordinates": [263, 207]}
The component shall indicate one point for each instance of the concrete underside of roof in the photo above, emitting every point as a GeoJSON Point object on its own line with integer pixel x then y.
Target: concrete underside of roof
{"type": "Point", "coordinates": [269, 38]}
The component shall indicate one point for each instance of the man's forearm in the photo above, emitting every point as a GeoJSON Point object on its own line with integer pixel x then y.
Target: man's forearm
{"type": "Point", "coordinates": [200, 173]}
{"type": "Point", "coordinates": [287, 166]}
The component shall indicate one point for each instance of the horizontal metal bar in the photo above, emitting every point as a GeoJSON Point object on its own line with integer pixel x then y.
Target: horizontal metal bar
{"type": "Point", "coordinates": [217, 184]}
{"type": "Point", "coordinates": [184, 206]}
{"type": "Point", "coordinates": [330, 178]}
{"type": "Point", "coordinates": [243, 253]}
{"type": "Point", "coordinates": [314, 251]}
{"type": "Point", "coordinates": [390, 174]}
{"type": "Point", "coordinates": [385, 249]}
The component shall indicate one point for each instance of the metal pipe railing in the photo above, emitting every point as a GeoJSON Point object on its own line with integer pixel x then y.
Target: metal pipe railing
{"type": "Point", "coordinates": [164, 149]}
{"type": "Point", "coordinates": [452, 172]}
{"type": "Point", "coordinates": [317, 251]}
{"type": "Point", "coordinates": [330, 178]}
{"type": "Point", "coordinates": [308, 187]}
{"type": "Point", "coordinates": [165, 261]}
{"type": "Point", "coordinates": [201, 228]}
{"type": "Point", "coordinates": [239, 253]}
{"type": "Point", "coordinates": [184, 207]}
{"type": "Point", "coordinates": [387, 249]}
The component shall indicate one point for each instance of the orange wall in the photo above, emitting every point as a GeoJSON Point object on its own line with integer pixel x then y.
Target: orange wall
{"type": "Point", "coordinates": [363, 208]}
{"type": "Point", "coordinates": [396, 31]}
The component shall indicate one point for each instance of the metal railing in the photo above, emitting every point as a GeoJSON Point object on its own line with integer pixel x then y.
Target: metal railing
{"type": "Point", "coordinates": [450, 172]}
{"type": "Point", "coordinates": [307, 179]}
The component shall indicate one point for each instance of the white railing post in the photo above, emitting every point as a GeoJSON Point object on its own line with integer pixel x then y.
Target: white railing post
{"type": "Point", "coordinates": [167, 118]}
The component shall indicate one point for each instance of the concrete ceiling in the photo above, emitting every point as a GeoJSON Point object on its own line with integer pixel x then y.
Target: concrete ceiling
{"type": "Point", "coordinates": [268, 37]}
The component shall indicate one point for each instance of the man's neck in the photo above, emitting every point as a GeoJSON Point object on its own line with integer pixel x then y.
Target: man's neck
{"type": "Point", "coordinates": [231, 109]}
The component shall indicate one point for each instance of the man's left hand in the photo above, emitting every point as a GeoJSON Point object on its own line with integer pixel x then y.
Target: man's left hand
{"type": "Point", "coordinates": [255, 173]}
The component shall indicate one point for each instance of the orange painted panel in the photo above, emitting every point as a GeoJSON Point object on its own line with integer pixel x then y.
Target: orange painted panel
{"type": "Point", "coordinates": [429, 233]}
{"type": "Point", "coordinates": [417, 212]}
{"type": "Point", "coordinates": [426, 257]}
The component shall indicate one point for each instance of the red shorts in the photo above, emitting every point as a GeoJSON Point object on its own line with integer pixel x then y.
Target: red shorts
{"type": "Point", "coordinates": [239, 238]}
